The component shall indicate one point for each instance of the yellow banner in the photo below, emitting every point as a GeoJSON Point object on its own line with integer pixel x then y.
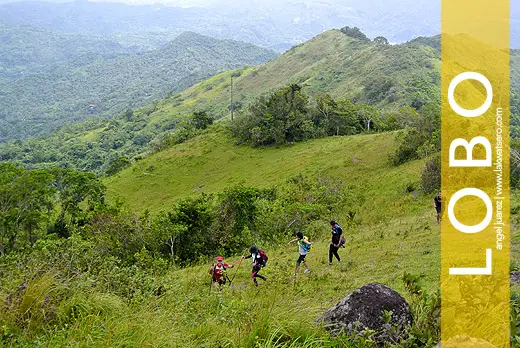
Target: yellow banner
{"type": "Point", "coordinates": [475, 173]}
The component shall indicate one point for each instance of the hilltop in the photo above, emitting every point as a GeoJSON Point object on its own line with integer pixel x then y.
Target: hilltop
{"type": "Point", "coordinates": [342, 63]}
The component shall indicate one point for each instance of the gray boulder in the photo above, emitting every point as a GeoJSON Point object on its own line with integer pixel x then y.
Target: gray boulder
{"type": "Point", "coordinates": [364, 309]}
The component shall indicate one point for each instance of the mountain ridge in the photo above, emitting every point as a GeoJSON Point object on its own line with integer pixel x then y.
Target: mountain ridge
{"type": "Point", "coordinates": [64, 92]}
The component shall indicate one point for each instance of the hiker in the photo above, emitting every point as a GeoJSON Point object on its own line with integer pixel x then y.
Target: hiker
{"type": "Point", "coordinates": [437, 200]}
{"type": "Point", "coordinates": [337, 241]}
{"type": "Point", "coordinates": [218, 272]}
{"type": "Point", "coordinates": [259, 260]}
{"type": "Point", "coordinates": [304, 246]}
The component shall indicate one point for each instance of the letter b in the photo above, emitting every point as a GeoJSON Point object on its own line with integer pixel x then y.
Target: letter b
{"type": "Point", "coordinates": [469, 161]}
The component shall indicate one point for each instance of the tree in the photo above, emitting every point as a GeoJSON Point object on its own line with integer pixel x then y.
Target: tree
{"type": "Point", "coordinates": [117, 164]}
{"type": "Point", "coordinates": [201, 120]}
{"type": "Point", "coordinates": [355, 33]}
{"type": "Point", "coordinates": [190, 220]}
{"type": "Point", "coordinates": [78, 193]}
{"type": "Point", "coordinates": [279, 118]}
{"type": "Point", "coordinates": [381, 40]}
{"type": "Point", "coordinates": [366, 114]}
{"type": "Point", "coordinates": [335, 118]}
{"type": "Point", "coordinates": [26, 200]}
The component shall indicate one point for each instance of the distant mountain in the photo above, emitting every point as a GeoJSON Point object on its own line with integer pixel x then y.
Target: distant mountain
{"type": "Point", "coordinates": [270, 23]}
{"type": "Point", "coordinates": [93, 85]}
{"type": "Point", "coordinates": [26, 49]}
{"type": "Point", "coordinates": [273, 24]}
{"type": "Point", "coordinates": [342, 63]}
{"type": "Point", "coordinates": [389, 77]}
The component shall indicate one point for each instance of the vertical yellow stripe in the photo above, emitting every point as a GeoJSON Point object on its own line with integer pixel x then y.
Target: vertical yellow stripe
{"type": "Point", "coordinates": [475, 222]}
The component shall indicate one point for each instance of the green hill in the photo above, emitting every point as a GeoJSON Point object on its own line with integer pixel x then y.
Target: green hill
{"type": "Point", "coordinates": [37, 103]}
{"type": "Point", "coordinates": [211, 162]}
{"type": "Point", "coordinates": [342, 63]}
{"type": "Point", "coordinates": [334, 62]}
{"type": "Point", "coordinates": [394, 232]}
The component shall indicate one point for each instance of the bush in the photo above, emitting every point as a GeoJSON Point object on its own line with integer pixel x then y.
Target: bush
{"type": "Point", "coordinates": [355, 33]}
{"type": "Point", "coordinates": [431, 175]}
{"type": "Point", "coordinates": [288, 116]}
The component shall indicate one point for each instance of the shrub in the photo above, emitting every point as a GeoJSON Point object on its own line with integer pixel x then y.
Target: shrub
{"type": "Point", "coordinates": [431, 175]}
{"type": "Point", "coordinates": [355, 33]}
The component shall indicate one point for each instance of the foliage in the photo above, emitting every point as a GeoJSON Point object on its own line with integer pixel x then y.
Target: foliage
{"type": "Point", "coordinates": [421, 139]}
{"type": "Point", "coordinates": [200, 120]}
{"type": "Point", "coordinates": [34, 202]}
{"type": "Point", "coordinates": [354, 33]}
{"type": "Point", "coordinates": [381, 40]}
{"type": "Point", "coordinates": [38, 103]}
{"type": "Point", "coordinates": [26, 201]}
{"type": "Point", "coordinates": [287, 116]}
{"type": "Point", "coordinates": [189, 127]}
{"type": "Point", "coordinates": [431, 175]}
{"type": "Point", "coordinates": [117, 164]}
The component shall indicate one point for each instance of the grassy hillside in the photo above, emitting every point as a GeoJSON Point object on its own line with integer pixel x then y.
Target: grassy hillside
{"type": "Point", "coordinates": [38, 103]}
{"type": "Point", "coordinates": [279, 313]}
{"type": "Point", "coordinates": [211, 162]}
{"type": "Point", "coordinates": [394, 232]}
{"type": "Point", "coordinates": [387, 76]}
{"type": "Point", "coordinates": [382, 75]}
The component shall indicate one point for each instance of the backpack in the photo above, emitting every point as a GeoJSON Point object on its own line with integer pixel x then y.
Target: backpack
{"type": "Point", "coordinates": [305, 246]}
{"type": "Point", "coordinates": [342, 241]}
{"type": "Point", "coordinates": [213, 271]}
{"type": "Point", "coordinates": [264, 257]}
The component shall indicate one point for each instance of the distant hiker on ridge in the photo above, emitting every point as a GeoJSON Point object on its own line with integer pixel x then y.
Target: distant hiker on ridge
{"type": "Point", "coordinates": [259, 260]}
{"type": "Point", "coordinates": [304, 246]}
{"type": "Point", "coordinates": [437, 201]}
{"type": "Point", "coordinates": [337, 241]}
{"type": "Point", "coordinates": [218, 272]}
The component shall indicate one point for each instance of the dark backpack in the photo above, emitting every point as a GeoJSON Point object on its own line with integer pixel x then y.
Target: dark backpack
{"type": "Point", "coordinates": [264, 257]}
{"type": "Point", "coordinates": [338, 231]}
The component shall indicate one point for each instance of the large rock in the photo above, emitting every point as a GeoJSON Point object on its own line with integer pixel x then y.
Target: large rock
{"type": "Point", "coordinates": [363, 309]}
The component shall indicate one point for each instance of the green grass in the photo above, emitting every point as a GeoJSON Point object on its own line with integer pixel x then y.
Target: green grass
{"type": "Point", "coordinates": [211, 162]}
{"type": "Point", "coordinates": [282, 310]}
{"type": "Point", "coordinates": [329, 63]}
{"type": "Point", "coordinates": [396, 232]}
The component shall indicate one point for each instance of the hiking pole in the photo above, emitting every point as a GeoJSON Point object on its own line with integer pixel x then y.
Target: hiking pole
{"type": "Point", "coordinates": [229, 280]}
{"type": "Point", "coordinates": [241, 259]}
{"type": "Point", "coordinates": [211, 280]}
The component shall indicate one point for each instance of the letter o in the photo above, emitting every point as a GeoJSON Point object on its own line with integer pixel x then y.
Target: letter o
{"type": "Point", "coordinates": [470, 76]}
{"type": "Point", "coordinates": [470, 192]}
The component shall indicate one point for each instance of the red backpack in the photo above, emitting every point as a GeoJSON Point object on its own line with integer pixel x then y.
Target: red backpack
{"type": "Point", "coordinates": [264, 257]}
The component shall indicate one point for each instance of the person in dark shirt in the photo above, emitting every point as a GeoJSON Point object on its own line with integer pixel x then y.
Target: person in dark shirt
{"type": "Point", "coordinates": [336, 241]}
{"type": "Point", "coordinates": [258, 263]}
{"type": "Point", "coordinates": [437, 201]}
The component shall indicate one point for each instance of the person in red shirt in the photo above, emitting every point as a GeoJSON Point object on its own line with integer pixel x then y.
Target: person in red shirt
{"type": "Point", "coordinates": [218, 272]}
